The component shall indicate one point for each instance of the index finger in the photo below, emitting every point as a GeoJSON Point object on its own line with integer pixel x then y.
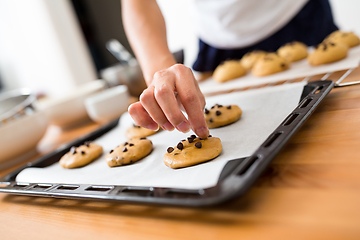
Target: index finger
{"type": "Point", "coordinates": [192, 99]}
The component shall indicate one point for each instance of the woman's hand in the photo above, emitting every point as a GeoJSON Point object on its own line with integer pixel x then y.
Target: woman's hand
{"type": "Point", "coordinates": [172, 90]}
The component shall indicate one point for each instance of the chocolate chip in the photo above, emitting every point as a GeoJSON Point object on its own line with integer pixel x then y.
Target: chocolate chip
{"type": "Point", "coordinates": [332, 44]}
{"type": "Point", "coordinates": [210, 120]}
{"type": "Point", "coordinates": [209, 136]}
{"type": "Point", "coordinates": [176, 154]}
{"type": "Point", "coordinates": [183, 140]}
{"type": "Point", "coordinates": [283, 65]}
{"type": "Point", "coordinates": [143, 138]}
{"type": "Point", "coordinates": [218, 113]}
{"type": "Point", "coordinates": [180, 146]}
{"type": "Point", "coordinates": [325, 46]}
{"type": "Point", "coordinates": [111, 151]}
{"type": "Point", "coordinates": [228, 107]}
{"type": "Point", "coordinates": [83, 153]}
{"type": "Point", "coordinates": [124, 149]}
{"type": "Point", "coordinates": [193, 136]}
{"type": "Point", "coordinates": [87, 143]}
{"type": "Point", "coordinates": [170, 149]}
{"type": "Point", "coordinates": [190, 139]}
{"type": "Point", "coordinates": [219, 106]}
{"type": "Point", "coordinates": [73, 150]}
{"type": "Point", "coordinates": [126, 143]}
{"type": "Point", "coordinates": [198, 144]}
{"type": "Point", "coordinates": [206, 111]}
{"type": "Point", "coordinates": [131, 144]}
{"type": "Point", "coordinates": [212, 107]}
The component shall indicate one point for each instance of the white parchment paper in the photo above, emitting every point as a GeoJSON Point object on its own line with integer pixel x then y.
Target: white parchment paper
{"type": "Point", "coordinates": [263, 110]}
{"type": "Point", "coordinates": [297, 70]}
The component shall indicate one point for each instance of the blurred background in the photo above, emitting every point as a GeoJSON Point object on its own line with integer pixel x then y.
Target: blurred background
{"type": "Point", "coordinates": [53, 46]}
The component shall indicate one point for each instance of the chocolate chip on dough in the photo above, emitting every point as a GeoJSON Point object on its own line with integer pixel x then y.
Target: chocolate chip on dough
{"type": "Point", "coordinates": [126, 143]}
{"type": "Point", "coordinates": [131, 144]}
{"type": "Point", "coordinates": [124, 149]}
{"type": "Point", "coordinates": [111, 150]}
{"type": "Point", "coordinates": [198, 144]}
{"type": "Point", "coordinates": [143, 138]}
{"type": "Point", "coordinates": [85, 155]}
{"type": "Point", "coordinates": [206, 111]}
{"type": "Point", "coordinates": [193, 136]}
{"type": "Point", "coordinates": [210, 120]}
{"type": "Point", "coordinates": [180, 146]}
{"type": "Point", "coordinates": [170, 149]}
{"type": "Point", "coordinates": [199, 151]}
{"type": "Point", "coordinates": [218, 113]}
{"type": "Point", "coordinates": [228, 107]}
{"type": "Point", "coordinates": [190, 139]}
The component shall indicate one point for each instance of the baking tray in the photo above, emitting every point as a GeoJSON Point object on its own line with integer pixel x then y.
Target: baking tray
{"type": "Point", "coordinates": [237, 176]}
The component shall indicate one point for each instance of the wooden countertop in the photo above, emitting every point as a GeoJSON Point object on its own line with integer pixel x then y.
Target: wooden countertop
{"type": "Point", "coordinates": [310, 191]}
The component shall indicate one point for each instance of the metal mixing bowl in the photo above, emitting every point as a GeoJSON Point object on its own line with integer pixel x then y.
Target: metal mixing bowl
{"type": "Point", "coordinates": [16, 103]}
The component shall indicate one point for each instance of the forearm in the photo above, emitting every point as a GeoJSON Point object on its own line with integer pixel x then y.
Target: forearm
{"type": "Point", "coordinates": [145, 28]}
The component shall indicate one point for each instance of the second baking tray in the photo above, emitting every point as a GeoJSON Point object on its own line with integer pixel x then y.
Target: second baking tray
{"type": "Point", "coordinates": [236, 177]}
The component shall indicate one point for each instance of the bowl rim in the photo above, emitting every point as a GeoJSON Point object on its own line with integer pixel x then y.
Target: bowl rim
{"type": "Point", "coordinates": [31, 98]}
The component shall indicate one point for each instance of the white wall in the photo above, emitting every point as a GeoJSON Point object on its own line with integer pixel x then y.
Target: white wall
{"type": "Point", "coordinates": [346, 14]}
{"type": "Point", "coordinates": [41, 47]}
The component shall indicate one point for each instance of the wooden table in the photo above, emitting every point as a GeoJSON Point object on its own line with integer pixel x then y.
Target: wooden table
{"type": "Point", "coordinates": [310, 191]}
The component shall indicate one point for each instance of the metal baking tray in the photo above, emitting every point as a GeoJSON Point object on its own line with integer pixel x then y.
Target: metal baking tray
{"type": "Point", "coordinates": [236, 178]}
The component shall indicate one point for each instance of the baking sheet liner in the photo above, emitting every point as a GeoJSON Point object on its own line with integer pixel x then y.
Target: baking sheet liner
{"type": "Point", "coordinates": [297, 70]}
{"type": "Point", "coordinates": [263, 110]}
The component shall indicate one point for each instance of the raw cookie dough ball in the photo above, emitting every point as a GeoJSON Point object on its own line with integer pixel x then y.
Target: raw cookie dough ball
{"type": "Point", "coordinates": [192, 151]}
{"type": "Point", "coordinates": [293, 51]}
{"type": "Point", "coordinates": [249, 59]}
{"type": "Point", "coordinates": [229, 70]}
{"type": "Point", "coordinates": [269, 64]}
{"type": "Point", "coordinates": [139, 132]}
{"type": "Point", "coordinates": [129, 152]}
{"type": "Point", "coordinates": [348, 38]}
{"type": "Point", "coordinates": [81, 156]}
{"type": "Point", "coordinates": [219, 115]}
{"type": "Point", "coordinates": [327, 53]}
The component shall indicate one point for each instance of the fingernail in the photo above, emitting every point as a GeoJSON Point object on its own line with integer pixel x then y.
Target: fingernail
{"type": "Point", "coordinates": [202, 132]}
{"type": "Point", "coordinates": [153, 126]}
{"type": "Point", "coordinates": [168, 126]}
{"type": "Point", "coordinates": [183, 127]}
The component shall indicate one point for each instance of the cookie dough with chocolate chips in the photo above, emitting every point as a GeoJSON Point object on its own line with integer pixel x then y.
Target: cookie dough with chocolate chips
{"type": "Point", "coordinates": [192, 151]}
{"type": "Point", "coordinates": [327, 53]}
{"type": "Point", "coordinates": [348, 38]}
{"type": "Point", "coordinates": [269, 64]}
{"type": "Point", "coordinates": [293, 51]}
{"type": "Point", "coordinates": [139, 132]}
{"type": "Point", "coordinates": [249, 59]}
{"type": "Point", "coordinates": [229, 70]}
{"type": "Point", "coordinates": [129, 152]}
{"type": "Point", "coordinates": [220, 115]}
{"type": "Point", "coordinates": [81, 156]}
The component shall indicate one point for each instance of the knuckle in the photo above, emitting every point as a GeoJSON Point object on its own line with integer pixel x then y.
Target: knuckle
{"type": "Point", "coordinates": [161, 91]}
{"type": "Point", "coordinates": [160, 74]}
{"type": "Point", "coordinates": [180, 69]}
{"type": "Point", "coordinates": [145, 96]}
{"type": "Point", "coordinates": [190, 98]}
